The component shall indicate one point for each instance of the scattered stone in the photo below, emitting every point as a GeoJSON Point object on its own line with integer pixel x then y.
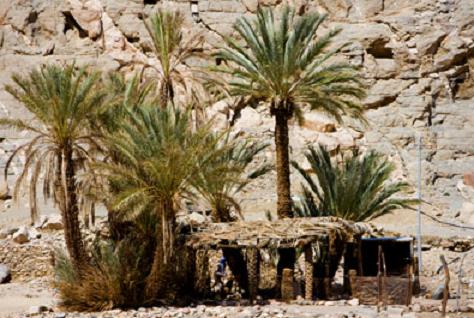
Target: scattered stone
{"type": "Point", "coordinates": [8, 204]}
{"type": "Point", "coordinates": [469, 179]}
{"type": "Point", "coordinates": [36, 310]}
{"type": "Point", "coordinates": [21, 236]}
{"type": "Point", "coordinates": [53, 222]}
{"type": "Point", "coordinates": [353, 302]}
{"type": "Point", "coordinates": [416, 307]}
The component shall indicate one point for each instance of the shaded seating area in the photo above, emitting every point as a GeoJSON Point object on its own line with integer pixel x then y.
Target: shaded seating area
{"type": "Point", "coordinates": [322, 240]}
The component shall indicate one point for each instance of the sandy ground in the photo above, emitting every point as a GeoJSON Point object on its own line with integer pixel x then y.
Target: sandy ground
{"type": "Point", "coordinates": [17, 298]}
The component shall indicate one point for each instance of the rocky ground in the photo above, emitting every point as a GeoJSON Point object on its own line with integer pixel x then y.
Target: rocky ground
{"type": "Point", "coordinates": [30, 294]}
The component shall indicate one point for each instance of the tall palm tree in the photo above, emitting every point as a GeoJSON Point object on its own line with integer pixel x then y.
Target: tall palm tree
{"type": "Point", "coordinates": [286, 68]}
{"type": "Point", "coordinates": [358, 189]}
{"type": "Point", "coordinates": [63, 102]}
{"type": "Point", "coordinates": [158, 156]}
{"type": "Point", "coordinates": [229, 173]}
{"type": "Point", "coordinates": [173, 50]}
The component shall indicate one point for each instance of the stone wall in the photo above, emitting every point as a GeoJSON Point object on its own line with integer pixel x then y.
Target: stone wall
{"type": "Point", "coordinates": [27, 261]}
{"type": "Point", "coordinates": [416, 56]}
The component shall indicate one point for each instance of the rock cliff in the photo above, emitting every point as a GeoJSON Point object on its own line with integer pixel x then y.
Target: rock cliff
{"type": "Point", "coordinates": [417, 58]}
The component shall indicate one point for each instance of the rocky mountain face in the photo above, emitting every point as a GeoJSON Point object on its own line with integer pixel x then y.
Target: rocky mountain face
{"type": "Point", "coordinates": [417, 58]}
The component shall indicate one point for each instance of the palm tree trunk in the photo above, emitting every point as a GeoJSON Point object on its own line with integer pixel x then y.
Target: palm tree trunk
{"type": "Point", "coordinates": [70, 213]}
{"type": "Point", "coordinates": [284, 208]}
{"type": "Point", "coordinates": [161, 274]}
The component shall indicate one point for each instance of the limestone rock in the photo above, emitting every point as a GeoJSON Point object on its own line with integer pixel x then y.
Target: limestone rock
{"type": "Point", "coordinates": [429, 43]}
{"type": "Point", "coordinates": [21, 236]}
{"type": "Point", "coordinates": [5, 274]}
{"type": "Point", "coordinates": [53, 222]}
{"type": "Point", "coordinates": [385, 92]}
{"type": "Point", "coordinates": [469, 179]}
{"type": "Point", "coordinates": [36, 310]}
{"type": "Point", "coordinates": [89, 20]}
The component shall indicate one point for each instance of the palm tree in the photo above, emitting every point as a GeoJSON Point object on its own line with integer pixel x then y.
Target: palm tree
{"type": "Point", "coordinates": [286, 67]}
{"type": "Point", "coordinates": [228, 174]}
{"type": "Point", "coordinates": [157, 159]}
{"type": "Point", "coordinates": [357, 189]}
{"type": "Point", "coordinates": [173, 50]}
{"type": "Point", "coordinates": [63, 102]}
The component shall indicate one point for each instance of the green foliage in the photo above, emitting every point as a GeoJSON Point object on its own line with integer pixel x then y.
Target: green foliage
{"type": "Point", "coordinates": [287, 66]}
{"type": "Point", "coordinates": [358, 189]}
{"type": "Point", "coordinates": [227, 173]}
{"type": "Point", "coordinates": [158, 158]}
{"type": "Point", "coordinates": [173, 49]}
{"type": "Point", "coordinates": [64, 102]}
{"type": "Point", "coordinates": [116, 276]}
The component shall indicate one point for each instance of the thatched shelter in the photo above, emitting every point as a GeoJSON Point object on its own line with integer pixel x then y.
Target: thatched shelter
{"type": "Point", "coordinates": [320, 238]}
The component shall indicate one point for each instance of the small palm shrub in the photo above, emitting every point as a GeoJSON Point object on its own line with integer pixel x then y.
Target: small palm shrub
{"type": "Point", "coordinates": [116, 275]}
{"type": "Point", "coordinates": [228, 173]}
{"type": "Point", "coordinates": [358, 189]}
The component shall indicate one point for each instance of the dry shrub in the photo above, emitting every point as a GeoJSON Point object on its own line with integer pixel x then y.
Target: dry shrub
{"type": "Point", "coordinates": [116, 275]}
{"type": "Point", "coordinates": [115, 279]}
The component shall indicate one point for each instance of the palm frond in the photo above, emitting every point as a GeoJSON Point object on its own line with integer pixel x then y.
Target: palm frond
{"type": "Point", "coordinates": [358, 189]}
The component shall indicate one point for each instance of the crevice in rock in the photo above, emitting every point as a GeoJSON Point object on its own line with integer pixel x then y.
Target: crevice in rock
{"type": "Point", "coordinates": [379, 50]}
{"type": "Point", "coordinates": [381, 102]}
{"type": "Point", "coordinates": [132, 38]}
{"type": "Point", "coordinates": [32, 17]}
{"type": "Point", "coordinates": [150, 2]}
{"type": "Point", "coordinates": [71, 24]}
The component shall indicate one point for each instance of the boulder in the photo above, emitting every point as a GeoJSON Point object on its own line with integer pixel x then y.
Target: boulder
{"type": "Point", "coordinates": [89, 21]}
{"type": "Point", "coordinates": [385, 92]}
{"type": "Point", "coordinates": [54, 222]}
{"type": "Point", "coordinates": [469, 179]}
{"type": "Point", "coordinates": [428, 43]}
{"type": "Point", "coordinates": [22, 235]}
{"type": "Point", "coordinates": [5, 274]}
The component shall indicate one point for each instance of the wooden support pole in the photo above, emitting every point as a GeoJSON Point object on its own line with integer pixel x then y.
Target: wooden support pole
{"type": "Point", "coordinates": [202, 283]}
{"type": "Point", "coordinates": [287, 290]}
{"type": "Point", "coordinates": [446, 284]}
{"type": "Point", "coordinates": [309, 272]}
{"type": "Point", "coordinates": [252, 270]}
{"type": "Point", "coordinates": [379, 279]}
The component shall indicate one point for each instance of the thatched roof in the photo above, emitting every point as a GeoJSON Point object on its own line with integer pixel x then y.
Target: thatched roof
{"type": "Point", "coordinates": [295, 232]}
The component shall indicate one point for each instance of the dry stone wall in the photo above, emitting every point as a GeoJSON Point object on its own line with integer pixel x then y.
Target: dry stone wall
{"type": "Point", "coordinates": [27, 261]}
{"type": "Point", "coordinates": [417, 58]}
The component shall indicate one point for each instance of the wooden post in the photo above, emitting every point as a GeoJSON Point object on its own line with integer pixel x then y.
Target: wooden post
{"type": "Point", "coordinates": [384, 267]}
{"type": "Point", "coordinates": [203, 277]}
{"type": "Point", "coordinates": [410, 284]}
{"type": "Point", "coordinates": [287, 292]}
{"type": "Point", "coordinates": [446, 284]}
{"type": "Point", "coordinates": [379, 279]}
{"type": "Point", "coordinates": [309, 273]}
{"type": "Point", "coordinates": [252, 270]}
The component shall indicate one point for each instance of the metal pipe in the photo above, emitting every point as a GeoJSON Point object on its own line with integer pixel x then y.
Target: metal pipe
{"type": "Point", "coordinates": [418, 212]}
